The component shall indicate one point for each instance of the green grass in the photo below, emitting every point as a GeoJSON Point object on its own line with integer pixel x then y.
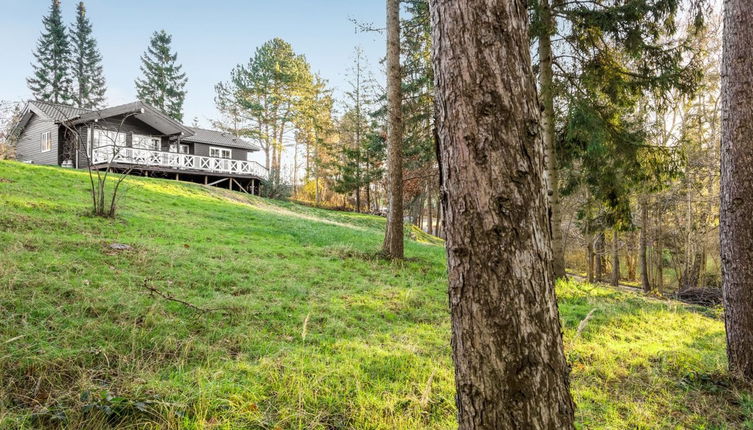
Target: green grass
{"type": "Point", "coordinates": [311, 329]}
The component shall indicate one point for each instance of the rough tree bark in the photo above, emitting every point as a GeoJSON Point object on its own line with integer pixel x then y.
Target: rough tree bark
{"type": "Point", "coordinates": [615, 259]}
{"type": "Point", "coordinates": [692, 274]}
{"type": "Point", "coordinates": [659, 253]}
{"type": "Point", "coordinates": [510, 369]}
{"type": "Point", "coordinates": [393, 238]}
{"type": "Point", "coordinates": [736, 223]}
{"type": "Point", "coordinates": [429, 207]}
{"type": "Point", "coordinates": [589, 257]}
{"type": "Point", "coordinates": [599, 251]}
{"type": "Point", "coordinates": [547, 128]}
{"type": "Point", "coordinates": [642, 248]}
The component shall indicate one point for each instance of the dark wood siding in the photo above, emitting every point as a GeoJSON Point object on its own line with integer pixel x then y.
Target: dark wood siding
{"type": "Point", "coordinates": [129, 126]}
{"type": "Point", "coordinates": [29, 146]}
{"type": "Point", "coordinates": [82, 161]}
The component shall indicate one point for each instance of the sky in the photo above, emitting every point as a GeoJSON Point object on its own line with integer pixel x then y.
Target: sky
{"type": "Point", "coordinates": [210, 37]}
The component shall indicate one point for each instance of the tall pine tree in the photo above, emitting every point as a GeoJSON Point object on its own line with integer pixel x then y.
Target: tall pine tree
{"type": "Point", "coordinates": [51, 80]}
{"type": "Point", "coordinates": [163, 83]}
{"type": "Point", "coordinates": [88, 77]}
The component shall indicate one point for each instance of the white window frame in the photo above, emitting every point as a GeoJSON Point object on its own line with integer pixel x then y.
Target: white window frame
{"type": "Point", "coordinates": [180, 149]}
{"type": "Point", "coordinates": [45, 141]}
{"type": "Point", "coordinates": [154, 143]}
{"type": "Point", "coordinates": [108, 138]}
{"type": "Point", "coordinates": [221, 151]}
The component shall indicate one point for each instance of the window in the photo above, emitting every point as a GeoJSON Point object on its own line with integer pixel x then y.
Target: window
{"type": "Point", "coordinates": [46, 141]}
{"type": "Point", "coordinates": [108, 138]}
{"type": "Point", "coordinates": [183, 148]}
{"type": "Point", "coordinates": [146, 142]}
{"type": "Point", "coordinates": [220, 152]}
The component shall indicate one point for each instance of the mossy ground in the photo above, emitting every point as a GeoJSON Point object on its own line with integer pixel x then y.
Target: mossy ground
{"type": "Point", "coordinates": [306, 326]}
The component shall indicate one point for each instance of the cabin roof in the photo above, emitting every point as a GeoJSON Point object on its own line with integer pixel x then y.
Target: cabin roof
{"type": "Point", "coordinates": [213, 137]}
{"type": "Point", "coordinates": [57, 112]}
{"type": "Point", "coordinates": [151, 116]}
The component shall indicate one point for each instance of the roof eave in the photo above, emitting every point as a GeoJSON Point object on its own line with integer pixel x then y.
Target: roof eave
{"type": "Point", "coordinates": [137, 109]}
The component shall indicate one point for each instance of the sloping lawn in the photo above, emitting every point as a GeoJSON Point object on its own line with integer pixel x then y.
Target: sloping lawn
{"type": "Point", "coordinates": [230, 311]}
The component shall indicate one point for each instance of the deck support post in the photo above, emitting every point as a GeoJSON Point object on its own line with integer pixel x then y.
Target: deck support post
{"type": "Point", "coordinates": [206, 179]}
{"type": "Point", "coordinates": [231, 184]}
{"type": "Point", "coordinates": [177, 176]}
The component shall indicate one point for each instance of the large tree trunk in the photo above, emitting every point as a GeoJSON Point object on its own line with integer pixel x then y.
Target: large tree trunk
{"type": "Point", "coordinates": [630, 257]}
{"type": "Point", "coordinates": [615, 259]}
{"type": "Point", "coordinates": [393, 238]}
{"type": "Point", "coordinates": [642, 248]}
{"type": "Point", "coordinates": [692, 275]}
{"type": "Point", "coordinates": [510, 369]}
{"type": "Point", "coordinates": [547, 128]}
{"type": "Point", "coordinates": [429, 206]}
{"type": "Point", "coordinates": [659, 253]}
{"type": "Point", "coordinates": [736, 223]}
{"type": "Point", "coordinates": [589, 256]}
{"type": "Point", "coordinates": [599, 251]}
{"type": "Point", "coordinates": [437, 223]}
{"type": "Point", "coordinates": [368, 190]}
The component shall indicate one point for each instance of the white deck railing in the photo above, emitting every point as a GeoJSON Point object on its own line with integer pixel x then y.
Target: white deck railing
{"type": "Point", "coordinates": [172, 160]}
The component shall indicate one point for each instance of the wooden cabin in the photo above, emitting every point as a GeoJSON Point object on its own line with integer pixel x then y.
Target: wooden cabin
{"type": "Point", "coordinates": [138, 139]}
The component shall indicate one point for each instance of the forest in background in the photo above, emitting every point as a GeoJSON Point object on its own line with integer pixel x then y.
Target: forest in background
{"type": "Point", "coordinates": [585, 136]}
{"type": "Point", "coordinates": [630, 90]}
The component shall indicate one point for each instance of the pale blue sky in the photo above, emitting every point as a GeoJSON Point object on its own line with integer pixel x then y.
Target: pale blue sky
{"type": "Point", "coordinates": [210, 37]}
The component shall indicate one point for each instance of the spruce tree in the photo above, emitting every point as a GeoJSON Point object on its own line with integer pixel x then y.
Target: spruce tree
{"type": "Point", "coordinates": [51, 80]}
{"type": "Point", "coordinates": [163, 83]}
{"type": "Point", "coordinates": [86, 69]}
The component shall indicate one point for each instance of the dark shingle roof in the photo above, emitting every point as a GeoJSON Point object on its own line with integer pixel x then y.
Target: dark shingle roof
{"type": "Point", "coordinates": [212, 137]}
{"type": "Point", "coordinates": [58, 112]}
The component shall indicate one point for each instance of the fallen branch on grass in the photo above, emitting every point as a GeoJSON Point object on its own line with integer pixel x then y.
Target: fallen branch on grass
{"type": "Point", "coordinates": [583, 323]}
{"type": "Point", "coordinates": [171, 298]}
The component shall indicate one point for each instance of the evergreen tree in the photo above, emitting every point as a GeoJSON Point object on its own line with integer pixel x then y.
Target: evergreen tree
{"type": "Point", "coordinates": [360, 159]}
{"type": "Point", "coordinates": [393, 246]}
{"type": "Point", "coordinates": [51, 80]}
{"type": "Point", "coordinates": [596, 62]}
{"type": "Point", "coordinates": [87, 71]}
{"type": "Point", "coordinates": [163, 83]}
{"type": "Point", "coordinates": [265, 96]}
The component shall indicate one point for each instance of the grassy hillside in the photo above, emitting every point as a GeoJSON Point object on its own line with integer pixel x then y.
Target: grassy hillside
{"type": "Point", "coordinates": [299, 325]}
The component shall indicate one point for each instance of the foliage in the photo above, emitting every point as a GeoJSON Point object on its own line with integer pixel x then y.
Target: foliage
{"type": "Point", "coordinates": [319, 331]}
{"type": "Point", "coordinates": [315, 128]}
{"type": "Point", "coordinates": [263, 97]}
{"type": "Point", "coordinates": [87, 73]}
{"type": "Point", "coordinates": [418, 86]}
{"type": "Point", "coordinates": [10, 114]}
{"type": "Point", "coordinates": [361, 146]}
{"type": "Point", "coordinates": [162, 83]}
{"type": "Point", "coordinates": [607, 59]}
{"type": "Point", "coordinates": [276, 187]}
{"type": "Point", "coordinates": [51, 80]}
